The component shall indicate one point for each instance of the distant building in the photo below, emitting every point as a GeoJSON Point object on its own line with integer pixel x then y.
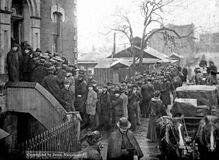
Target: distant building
{"type": "Point", "coordinates": [46, 24]}
{"type": "Point", "coordinates": [182, 46]}
{"type": "Point", "coordinates": [209, 42]}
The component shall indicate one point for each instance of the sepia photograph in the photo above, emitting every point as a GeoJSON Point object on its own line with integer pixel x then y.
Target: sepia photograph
{"type": "Point", "coordinates": [109, 79]}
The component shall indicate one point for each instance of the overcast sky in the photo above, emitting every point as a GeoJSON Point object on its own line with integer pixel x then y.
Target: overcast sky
{"type": "Point", "coordinates": [95, 18]}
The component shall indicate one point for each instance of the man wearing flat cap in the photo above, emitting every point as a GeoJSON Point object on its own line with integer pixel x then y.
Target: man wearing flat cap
{"type": "Point", "coordinates": [122, 144]}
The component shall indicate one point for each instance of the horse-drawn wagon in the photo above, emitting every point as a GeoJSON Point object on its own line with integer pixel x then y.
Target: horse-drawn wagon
{"type": "Point", "coordinates": [192, 131]}
{"type": "Point", "coordinates": [194, 104]}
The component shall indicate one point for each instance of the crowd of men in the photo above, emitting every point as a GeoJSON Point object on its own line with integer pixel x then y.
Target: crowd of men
{"type": "Point", "coordinates": [101, 106]}
{"type": "Point", "coordinates": [104, 107]}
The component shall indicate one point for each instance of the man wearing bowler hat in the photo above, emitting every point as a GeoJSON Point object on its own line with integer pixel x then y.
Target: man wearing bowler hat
{"type": "Point", "coordinates": [122, 144]}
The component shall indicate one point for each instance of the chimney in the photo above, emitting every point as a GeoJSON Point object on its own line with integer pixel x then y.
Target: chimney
{"type": "Point", "coordinates": [114, 44]}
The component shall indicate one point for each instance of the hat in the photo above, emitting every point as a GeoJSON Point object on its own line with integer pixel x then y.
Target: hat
{"type": "Point", "coordinates": [47, 64]}
{"type": "Point", "coordinates": [157, 93]}
{"type": "Point", "coordinates": [58, 58]}
{"type": "Point", "coordinates": [44, 56]}
{"type": "Point", "coordinates": [109, 83]}
{"type": "Point", "coordinates": [94, 137]}
{"type": "Point", "coordinates": [105, 86]}
{"type": "Point", "coordinates": [123, 123]}
{"type": "Point", "coordinates": [51, 69]}
{"type": "Point", "coordinates": [66, 81]}
{"type": "Point", "coordinates": [38, 50]}
{"type": "Point", "coordinates": [117, 92]}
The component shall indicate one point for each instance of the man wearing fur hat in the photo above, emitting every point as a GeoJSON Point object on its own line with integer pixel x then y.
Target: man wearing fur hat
{"type": "Point", "coordinates": [122, 144]}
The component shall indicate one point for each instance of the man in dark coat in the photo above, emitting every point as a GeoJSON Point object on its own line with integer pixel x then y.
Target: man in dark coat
{"type": "Point", "coordinates": [117, 104]}
{"type": "Point", "coordinates": [122, 144]}
{"type": "Point", "coordinates": [147, 91]}
{"type": "Point", "coordinates": [13, 63]}
{"type": "Point", "coordinates": [92, 146]}
{"type": "Point", "coordinates": [53, 84]}
{"type": "Point", "coordinates": [105, 106]}
{"type": "Point", "coordinates": [26, 63]}
{"type": "Point", "coordinates": [81, 96]}
{"type": "Point", "coordinates": [39, 72]}
{"type": "Point", "coordinates": [157, 110]}
{"type": "Point", "coordinates": [185, 73]}
{"type": "Point", "coordinates": [133, 99]}
{"type": "Point", "coordinates": [67, 100]}
{"type": "Point", "coordinates": [165, 92]}
{"type": "Point", "coordinates": [212, 71]}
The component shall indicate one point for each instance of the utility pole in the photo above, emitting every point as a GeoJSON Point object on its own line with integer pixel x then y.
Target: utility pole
{"type": "Point", "coordinates": [114, 44]}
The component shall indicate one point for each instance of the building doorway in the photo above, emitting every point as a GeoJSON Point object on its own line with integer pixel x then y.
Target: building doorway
{"type": "Point", "coordinates": [17, 20]}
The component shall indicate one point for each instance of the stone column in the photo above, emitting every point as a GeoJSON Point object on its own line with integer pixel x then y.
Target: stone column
{"type": "Point", "coordinates": [5, 38]}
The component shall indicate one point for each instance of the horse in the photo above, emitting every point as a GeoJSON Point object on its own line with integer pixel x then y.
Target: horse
{"type": "Point", "coordinates": [170, 133]}
{"type": "Point", "coordinates": [208, 137]}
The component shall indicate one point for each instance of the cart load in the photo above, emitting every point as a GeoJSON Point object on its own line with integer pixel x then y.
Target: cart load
{"type": "Point", "coordinates": [205, 95]}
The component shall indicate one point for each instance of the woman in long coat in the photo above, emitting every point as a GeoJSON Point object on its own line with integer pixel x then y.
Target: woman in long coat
{"type": "Point", "coordinates": [157, 110]}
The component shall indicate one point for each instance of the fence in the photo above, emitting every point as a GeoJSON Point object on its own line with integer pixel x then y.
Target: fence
{"type": "Point", "coordinates": [64, 139]}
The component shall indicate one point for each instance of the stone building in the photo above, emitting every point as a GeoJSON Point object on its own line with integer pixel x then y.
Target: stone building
{"type": "Point", "coordinates": [209, 42]}
{"type": "Point", "coordinates": [45, 24]}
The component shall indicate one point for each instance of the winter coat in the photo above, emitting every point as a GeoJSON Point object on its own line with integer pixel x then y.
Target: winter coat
{"type": "Point", "coordinates": [91, 102]}
{"type": "Point", "coordinates": [51, 83]}
{"type": "Point", "coordinates": [147, 91]}
{"type": "Point", "coordinates": [72, 84]}
{"type": "Point", "coordinates": [157, 110]}
{"type": "Point", "coordinates": [13, 65]}
{"type": "Point", "coordinates": [134, 98]}
{"type": "Point", "coordinates": [165, 93]}
{"type": "Point", "coordinates": [115, 145]}
{"type": "Point", "coordinates": [38, 74]}
{"type": "Point", "coordinates": [125, 104]}
{"type": "Point", "coordinates": [105, 106]}
{"type": "Point", "coordinates": [80, 95]}
{"type": "Point", "coordinates": [118, 112]}
{"type": "Point", "coordinates": [67, 100]}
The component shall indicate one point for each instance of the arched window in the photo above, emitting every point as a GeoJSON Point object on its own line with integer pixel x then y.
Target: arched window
{"type": "Point", "coordinates": [57, 17]}
{"type": "Point", "coordinates": [57, 31]}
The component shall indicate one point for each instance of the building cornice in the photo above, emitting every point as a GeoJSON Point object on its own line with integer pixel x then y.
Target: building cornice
{"type": "Point", "coordinates": [5, 11]}
{"type": "Point", "coordinates": [35, 17]}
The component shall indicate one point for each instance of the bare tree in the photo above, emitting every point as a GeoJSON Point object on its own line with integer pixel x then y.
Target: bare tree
{"type": "Point", "coordinates": [152, 11]}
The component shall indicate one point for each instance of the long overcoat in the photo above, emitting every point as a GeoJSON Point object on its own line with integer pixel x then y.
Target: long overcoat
{"type": "Point", "coordinates": [115, 143]}
{"type": "Point", "coordinates": [118, 112]}
{"type": "Point", "coordinates": [91, 103]}
{"type": "Point", "coordinates": [105, 106]}
{"type": "Point", "coordinates": [13, 65]}
{"type": "Point", "coordinates": [165, 93]}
